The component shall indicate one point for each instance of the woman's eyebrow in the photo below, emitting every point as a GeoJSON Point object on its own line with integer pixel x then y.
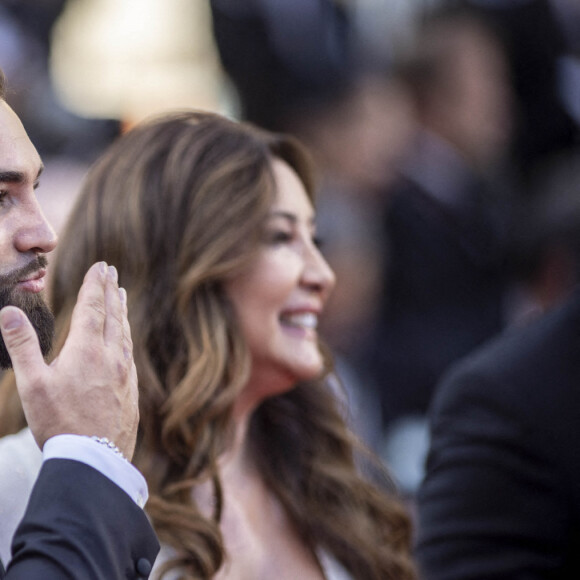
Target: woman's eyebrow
{"type": "Point", "coordinates": [292, 218]}
{"type": "Point", "coordinates": [284, 214]}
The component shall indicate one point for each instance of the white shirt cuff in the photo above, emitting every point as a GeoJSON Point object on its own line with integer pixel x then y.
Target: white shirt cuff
{"type": "Point", "coordinates": [101, 458]}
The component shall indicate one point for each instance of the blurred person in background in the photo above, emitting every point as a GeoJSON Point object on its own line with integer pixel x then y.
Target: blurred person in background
{"type": "Point", "coordinates": [546, 242]}
{"type": "Point", "coordinates": [27, 28]}
{"type": "Point", "coordinates": [500, 498]}
{"type": "Point", "coordinates": [250, 465]}
{"type": "Point", "coordinates": [446, 222]}
{"type": "Point", "coordinates": [500, 495]}
{"type": "Point", "coordinates": [541, 39]}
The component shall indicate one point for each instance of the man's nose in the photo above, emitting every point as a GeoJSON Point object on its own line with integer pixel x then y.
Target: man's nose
{"type": "Point", "coordinates": [34, 233]}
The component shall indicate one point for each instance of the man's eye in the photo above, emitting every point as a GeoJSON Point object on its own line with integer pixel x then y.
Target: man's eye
{"type": "Point", "coordinates": [3, 195]}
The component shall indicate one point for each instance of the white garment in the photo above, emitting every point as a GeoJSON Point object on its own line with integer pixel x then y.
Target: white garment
{"type": "Point", "coordinates": [20, 461]}
{"type": "Point", "coordinates": [331, 567]}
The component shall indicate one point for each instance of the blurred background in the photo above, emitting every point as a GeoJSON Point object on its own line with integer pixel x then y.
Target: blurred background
{"type": "Point", "coordinates": [445, 134]}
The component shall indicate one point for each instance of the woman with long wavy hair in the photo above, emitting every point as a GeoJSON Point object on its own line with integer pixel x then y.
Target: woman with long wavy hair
{"type": "Point", "coordinates": [243, 442]}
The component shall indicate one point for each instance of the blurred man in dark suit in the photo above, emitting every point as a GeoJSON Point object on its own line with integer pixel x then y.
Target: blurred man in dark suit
{"type": "Point", "coordinates": [501, 497]}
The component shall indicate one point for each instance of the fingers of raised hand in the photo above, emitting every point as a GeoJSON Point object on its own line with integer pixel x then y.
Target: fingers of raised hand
{"type": "Point", "coordinates": [115, 315]}
{"type": "Point", "coordinates": [99, 344]}
{"type": "Point", "coordinates": [132, 416]}
{"type": "Point", "coordinates": [127, 340]}
{"type": "Point", "coordinates": [89, 314]}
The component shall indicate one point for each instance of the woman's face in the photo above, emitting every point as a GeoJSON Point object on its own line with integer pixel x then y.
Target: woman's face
{"type": "Point", "coordinates": [279, 299]}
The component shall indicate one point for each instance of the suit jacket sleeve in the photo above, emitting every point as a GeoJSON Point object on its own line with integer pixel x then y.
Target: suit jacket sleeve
{"type": "Point", "coordinates": [79, 524]}
{"type": "Point", "coordinates": [494, 502]}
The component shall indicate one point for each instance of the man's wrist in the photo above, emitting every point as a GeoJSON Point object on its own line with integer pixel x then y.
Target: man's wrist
{"type": "Point", "coordinates": [102, 458]}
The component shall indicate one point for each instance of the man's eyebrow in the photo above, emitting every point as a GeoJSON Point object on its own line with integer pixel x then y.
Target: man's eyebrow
{"type": "Point", "coordinates": [11, 177]}
{"type": "Point", "coordinates": [17, 176]}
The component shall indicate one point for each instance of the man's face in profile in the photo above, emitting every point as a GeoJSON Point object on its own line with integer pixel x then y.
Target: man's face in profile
{"type": "Point", "coordinates": [25, 235]}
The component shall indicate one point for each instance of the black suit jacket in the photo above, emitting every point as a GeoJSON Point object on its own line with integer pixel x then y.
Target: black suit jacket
{"type": "Point", "coordinates": [501, 498]}
{"type": "Point", "coordinates": [444, 293]}
{"type": "Point", "coordinates": [79, 524]}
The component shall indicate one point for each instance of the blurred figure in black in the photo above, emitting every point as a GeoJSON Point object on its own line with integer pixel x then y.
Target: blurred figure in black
{"type": "Point", "coordinates": [500, 499]}
{"type": "Point", "coordinates": [542, 43]}
{"type": "Point", "coordinates": [26, 29]}
{"type": "Point", "coordinates": [447, 222]}
{"type": "Point", "coordinates": [546, 240]}
{"type": "Point", "coordinates": [283, 57]}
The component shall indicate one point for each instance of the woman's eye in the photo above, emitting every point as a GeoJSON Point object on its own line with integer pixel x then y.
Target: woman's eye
{"type": "Point", "coordinates": [3, 195]}
{"type": "Point", "coordinates": [279, 237]}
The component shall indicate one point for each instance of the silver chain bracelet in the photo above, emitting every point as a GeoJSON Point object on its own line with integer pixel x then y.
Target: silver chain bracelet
{"type": "Point", "coordinates": [105, 441]}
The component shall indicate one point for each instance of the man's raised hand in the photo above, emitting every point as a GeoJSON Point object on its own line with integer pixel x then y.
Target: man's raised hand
{"type": "Point", "coordinates": [90, 388]}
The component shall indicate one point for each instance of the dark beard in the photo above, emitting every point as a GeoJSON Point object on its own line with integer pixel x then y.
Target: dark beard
{"type": "Point", "coordinates": [33, 306]}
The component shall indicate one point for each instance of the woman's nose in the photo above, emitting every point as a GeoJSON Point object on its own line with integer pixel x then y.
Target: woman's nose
{"type": "Point", "coordinates": [318, 274]}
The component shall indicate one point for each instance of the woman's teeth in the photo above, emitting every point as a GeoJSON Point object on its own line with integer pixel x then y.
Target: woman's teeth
{"type": "Point", "coordinates": [302, 320]}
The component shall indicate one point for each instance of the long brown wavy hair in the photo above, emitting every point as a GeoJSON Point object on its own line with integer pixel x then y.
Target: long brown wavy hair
{"type": "Point", "coordinates": [179, 204]}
